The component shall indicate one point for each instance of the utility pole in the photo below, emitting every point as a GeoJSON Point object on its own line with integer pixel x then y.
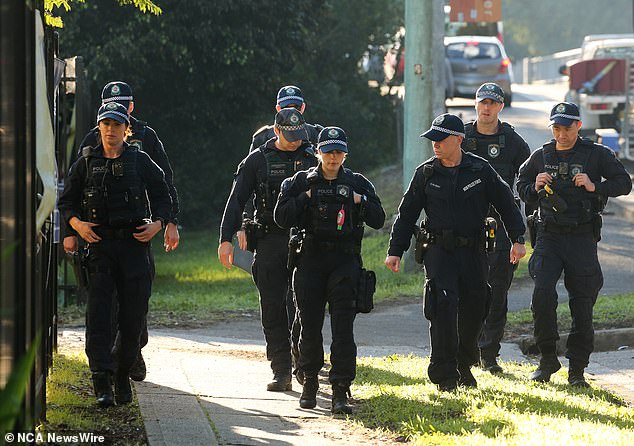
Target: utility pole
{"type": "Point", "coordinates": [419, 75]}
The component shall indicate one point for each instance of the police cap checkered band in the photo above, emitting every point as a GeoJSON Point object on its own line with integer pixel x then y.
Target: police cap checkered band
{"type": "Point", "coordinates": [448, 131]}
{"type": "Point", "coordinates": [332, 141]}
{"type": "Point", "coordinates": [563, 115]}
{"type": "Point", "coordinates": [291, 99]}
{"type": "Point", "coordinates": [290, 128]}
{"type": "Point", "coordinates": [107, 114]}
{"type": "Point", "coordinates": [117, 99]}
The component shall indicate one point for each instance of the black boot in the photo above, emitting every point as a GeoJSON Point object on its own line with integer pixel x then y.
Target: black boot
{"type": "Point", "coordinates": [340, 394]}
{"type": "Point", "coordinates": [299, 376]}
{"type": "Point", "coordinates": [308, 399]}
{"type": "Point", "coordinates": [548, 365]}
{"type": "Point", "coordinates": [281, 382]}
{"type": "Point", "coordinates": [490, 364]}
{"type": "Point", "coordinates": [102, 384]}
{"type": "Point", "coordinates": [466, 377]}
{"type": "Point", "coordinates": [575, 377]}
{"type": "Point", "coordinates": [122, 388]}
{"type": "Point", "coordinates": [138, 369]}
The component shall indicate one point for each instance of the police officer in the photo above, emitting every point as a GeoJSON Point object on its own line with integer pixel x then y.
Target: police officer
{"type": "Point", "coordinates": [287, 96]}
{"type": "Point", "coordinates": [106, 200]}
{"type": "Point", "coordinates": [262, 173]}
{"type": "Point", "coordinates": [330, 204]}
{"type": "Point", "coordinates": [499, 144]}
{"type": "Point", "coordinates": [144, 138]}
{"type": "Point", "coordinates": [455, 189]}
{"type": "Point", "coordinates": [564, 177]}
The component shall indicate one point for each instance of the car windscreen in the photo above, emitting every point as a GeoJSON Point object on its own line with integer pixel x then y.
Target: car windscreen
{"type": "Point", "coordinates": [616, 52]}
{"type": "Point", "coordinates": [473, 50]}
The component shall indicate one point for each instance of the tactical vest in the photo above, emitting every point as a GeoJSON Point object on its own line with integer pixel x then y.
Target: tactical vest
{"type": "Point", "coordinates": [333, 214]}
{"type": "Point", "coordinates": [492, 148]}
{"type": "Point", "coordinates": [582, 205]}
{"type": "Point", "coordinates": [278, 168]}
{"type": "Point", "coordinates": [114, 193]}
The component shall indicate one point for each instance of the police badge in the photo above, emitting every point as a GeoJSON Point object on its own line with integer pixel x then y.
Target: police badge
{"type": "Point", "coordinates": [438, 120]}
{"type": "Point", "coordinates": [343, 190]}
{"type": "Point", "coordinates": [494, 150]}
{"type": "Point", "coordinates": [333, 133]}
{"type": "Point", "coordinates": [561, 108]}
{"type": "Point", "coordinates": [115, 90]}
{"type": "Point", "coordinates": [575, 169]}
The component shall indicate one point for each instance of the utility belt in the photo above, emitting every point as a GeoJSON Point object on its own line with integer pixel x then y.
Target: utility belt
{"type": "Point", "coordinates": [314, 245]}
{"type": "Point", "coordinates": [448, 240]}
{"type": "Point", "coordinates": [254, 231]}
{"type": "Point", "coordinates": [110, 233]}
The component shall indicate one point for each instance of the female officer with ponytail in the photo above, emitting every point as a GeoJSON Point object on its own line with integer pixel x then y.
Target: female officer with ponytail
{"type": "Point", "coordinates": [329, 204]}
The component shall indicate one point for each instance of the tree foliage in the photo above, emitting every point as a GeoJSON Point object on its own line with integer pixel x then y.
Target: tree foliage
{"type": "Point", "coordinates": [56, 21]}
{"type": "Point", "coordinates": [541, 27]}
{"type": "Point", "coordinates": [205, 77]}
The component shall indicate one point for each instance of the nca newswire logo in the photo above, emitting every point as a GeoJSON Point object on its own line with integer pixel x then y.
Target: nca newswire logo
{"type": "Point", "coordinates": [54, 438]}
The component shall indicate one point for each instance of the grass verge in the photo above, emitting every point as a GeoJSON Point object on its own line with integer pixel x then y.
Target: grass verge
{"type": "Point", "coordinates": [71, 407]}
{"type": "Point", "coordinates": [609, 312]}
{"type": "Point", "coordinates": [396, 396]}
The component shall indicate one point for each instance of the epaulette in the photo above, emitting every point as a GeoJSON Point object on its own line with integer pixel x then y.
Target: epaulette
{"type": "Point", "coordinates": [87, 151]}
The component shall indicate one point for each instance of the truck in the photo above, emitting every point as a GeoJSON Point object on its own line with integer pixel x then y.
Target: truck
{"type": "Point", "coordinates": [598, 81]}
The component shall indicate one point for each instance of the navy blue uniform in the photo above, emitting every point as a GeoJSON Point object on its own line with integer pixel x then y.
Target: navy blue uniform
{"type": "Point", "coordinates": [506, 151]}
{"type": "Point", "coordinates": [261, 173]}
{"type": "Point", "coordinates": [567, 239]}
{"type": "Point", "coordinates": [114, 193]}
{"type": "Point", "coordinates": [330, 263]}
{"type": "Point", "coordinates": [456, 201]}
{"type": "Point", "coordinates": [144, 138]}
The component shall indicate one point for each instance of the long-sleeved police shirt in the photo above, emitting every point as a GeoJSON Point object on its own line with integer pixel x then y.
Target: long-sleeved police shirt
{"type": "Point", "coordinates": [151, 175]}
{"type": "Point", "coordinates": [601, 163]}
{"type": "Point", "coordinates": [252, 171]}
{"type": "Point", "coordinates": [150, 144]}
{"type": "Point", "coordinates": [455, 199]}
{"type": "Point", "coordinates": [292, 204]}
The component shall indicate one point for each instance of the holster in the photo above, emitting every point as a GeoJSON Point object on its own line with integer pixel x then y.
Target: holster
{"type": "Point", "coordinates": [423, 241]}
{"type": "Point", "coordinates": [295, 245]}
{"type": "Point", "coordinates": [597, 223]}
{"type": "Point", "coordinates": [429, 299]}
{"type": "Point", "coordinates": [80, 268]}
{"type": "Point", "coordinates": [252, 230]}
{"type": "Point", "coordinates": [365, 291]}
{"type": "Point", "coordinates": [490, 228]}
{"type": "Point", "coordinates": [531, 225]}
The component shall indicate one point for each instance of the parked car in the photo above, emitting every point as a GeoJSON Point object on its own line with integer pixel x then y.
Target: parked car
{"type": "Point", "coordinates": [475, 60]}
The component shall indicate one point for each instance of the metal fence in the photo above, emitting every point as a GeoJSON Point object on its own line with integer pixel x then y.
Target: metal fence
{"type": "Point", "coordinates": [544, 69]}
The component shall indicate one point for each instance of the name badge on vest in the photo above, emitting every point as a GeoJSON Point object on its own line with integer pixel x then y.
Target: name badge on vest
{"type": "Point", "coordinates": [343, 190]}
{"type": "Point", "coordinates": [494, 150]}
{"type": "Point", "coordinates": [563, 169]}
{"type": "Point", "coordinates": [278, 170]}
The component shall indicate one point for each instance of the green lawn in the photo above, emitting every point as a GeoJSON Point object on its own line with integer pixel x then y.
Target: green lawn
{"type": "Point", "coordinates": [71, 408]}
{"type": "Point", "coordinates": [395, 395]}
{"type": "Point", "coordinates": [609, 312]}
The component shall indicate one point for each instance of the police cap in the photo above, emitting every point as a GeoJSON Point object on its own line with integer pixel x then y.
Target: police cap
{"type": "Point", "coordinates": [564, 113]}
{"type": "Point", "coordinates": [443, 126]}
{"type": "Point", "coordinates": [490, 90]}
{"type": "Point", "coordinates": [117, 91]}
{"type": "Point", "coordinates": [113, 110]}
{"type": "Point", "coordinates": [290, 94]}
{"type": "Point", "coordinates": [292, 125]}
{"type": "Point", "coordinates": [332, 138]}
